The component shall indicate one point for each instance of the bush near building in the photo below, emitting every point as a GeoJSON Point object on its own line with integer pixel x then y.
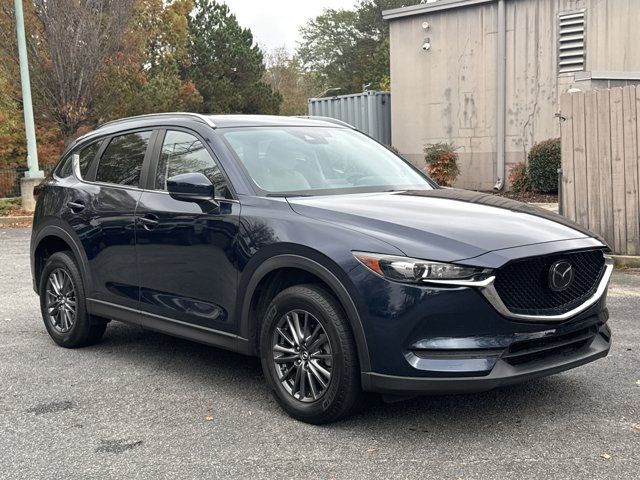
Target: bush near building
{"type": "Point", "coordinates": [442, 163]}
{"type": "Point", "coordinates": [519, 178]}
{"type": "Point", "coordinates": [544, 162]}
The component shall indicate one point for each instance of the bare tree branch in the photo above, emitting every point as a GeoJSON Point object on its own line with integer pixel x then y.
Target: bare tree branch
{"type": "Point", "coordinates": [81, 35]}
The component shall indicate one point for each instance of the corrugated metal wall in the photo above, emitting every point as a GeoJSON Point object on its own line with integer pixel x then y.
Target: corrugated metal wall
{"type": "Point", "coordinates": [369, 112]}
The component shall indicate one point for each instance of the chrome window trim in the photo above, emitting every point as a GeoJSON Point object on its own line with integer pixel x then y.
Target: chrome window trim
{"type": "Point", "coordinates": [217, 199]}
{"type": "Point", "coordinates": [110, 185]}
{"type": "Point", "coordinates": [143, 190]}
{"type": "Point", "coordinates": [75, 167]}
{"type": "Point", "coordinates": [488, 290]}
{"type": "Point", "coordinates": [76, 172]}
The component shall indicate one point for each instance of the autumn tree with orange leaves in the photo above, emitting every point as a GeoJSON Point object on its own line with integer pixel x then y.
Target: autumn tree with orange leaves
{"type": "Point", "coordinates": [96, 60]}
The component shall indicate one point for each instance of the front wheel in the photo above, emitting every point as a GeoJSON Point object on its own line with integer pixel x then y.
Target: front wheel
{"type": "Point", "coordinates": [309, 356]}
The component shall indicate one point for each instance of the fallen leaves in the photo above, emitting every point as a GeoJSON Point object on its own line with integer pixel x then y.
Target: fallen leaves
{"type": "Point", "coordinates": [16, 224]}
{"type": "Point", "coordinates": [606, 456]}
{"type": "Point", "coordinates": [208, 418]}
{"type": "Point", "coordinates": [635, 426]}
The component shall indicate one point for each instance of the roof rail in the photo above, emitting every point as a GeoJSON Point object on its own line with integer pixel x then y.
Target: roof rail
{"type": "Point", "coordinates": [202, 118]}
{"type": "Point", "coordinates": [327, 119]}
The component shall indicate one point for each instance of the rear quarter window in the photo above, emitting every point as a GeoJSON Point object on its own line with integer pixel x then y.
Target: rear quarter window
{"type": "Point", "coordinates": [65, 167]}
{"type": "Point", "coordinates": [87, 154]}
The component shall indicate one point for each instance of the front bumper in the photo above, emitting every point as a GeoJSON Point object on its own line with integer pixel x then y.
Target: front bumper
{"type": "Point", "coordinates": [503, 372]}
{"type": "Point", "coordinates": [454, 338]}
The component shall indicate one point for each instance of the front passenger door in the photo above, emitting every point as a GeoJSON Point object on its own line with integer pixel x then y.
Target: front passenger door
{"type": "Point", "coordinates": [185, 249]}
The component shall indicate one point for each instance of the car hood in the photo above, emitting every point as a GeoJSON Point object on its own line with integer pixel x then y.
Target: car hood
{"type": "Point", "coordinates": [442, 224]}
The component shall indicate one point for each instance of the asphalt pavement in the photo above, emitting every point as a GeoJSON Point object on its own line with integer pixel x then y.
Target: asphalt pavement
{"type": "Point", "coordinates": [145, 405]}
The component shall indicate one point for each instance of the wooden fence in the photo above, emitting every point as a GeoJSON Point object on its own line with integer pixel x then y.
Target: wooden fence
{"type": "Point", "coordinates": [600, 166]}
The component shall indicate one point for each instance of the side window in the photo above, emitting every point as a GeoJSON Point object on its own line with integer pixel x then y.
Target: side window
{"type": "Point", "coordinates": [65, 167]}
{"type": "Point", "coordinates": [121, 161]}
{"type": "Point", "coordinates": [87, 154]}
{"type": "Point", "coordinates": [184, 153]}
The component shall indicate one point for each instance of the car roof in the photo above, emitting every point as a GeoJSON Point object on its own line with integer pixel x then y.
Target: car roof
{"type": "Point", "coordinates": [227, 121]}
{"type": "Point", "coordinates": [213, 121]}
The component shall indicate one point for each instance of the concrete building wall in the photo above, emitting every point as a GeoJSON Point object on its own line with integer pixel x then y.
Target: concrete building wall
{"type": "Point", "coordinates": [449, 92]}
{"type": "Point", "coordinates": [613, 35]}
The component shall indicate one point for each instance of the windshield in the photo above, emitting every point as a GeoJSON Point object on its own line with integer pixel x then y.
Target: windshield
{"type": "Point", "coordinates": [319, 160]}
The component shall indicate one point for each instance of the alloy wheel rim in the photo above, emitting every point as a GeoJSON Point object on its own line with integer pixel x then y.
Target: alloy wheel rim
{"type": "Point", "coordinates": [60, 301]}
{"type": "Point", "coordinates": [302, 355]}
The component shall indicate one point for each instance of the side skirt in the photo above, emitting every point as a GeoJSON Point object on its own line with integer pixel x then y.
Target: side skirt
{"type": "Point", "coordinates": [170, 326]}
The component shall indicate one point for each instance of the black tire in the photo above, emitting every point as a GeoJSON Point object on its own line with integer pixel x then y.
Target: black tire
{"type": "Point", "coordinates": [343, 390]}
{"type": "Point", "coordinates": [84, 329]}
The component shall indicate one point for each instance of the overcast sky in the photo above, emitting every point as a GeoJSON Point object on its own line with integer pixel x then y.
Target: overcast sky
{"type": "Point", "coordinates": [275, 23]}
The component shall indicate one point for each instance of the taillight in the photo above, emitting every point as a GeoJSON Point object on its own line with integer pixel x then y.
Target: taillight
{"type": "Point", "coordinates": [37, 190]}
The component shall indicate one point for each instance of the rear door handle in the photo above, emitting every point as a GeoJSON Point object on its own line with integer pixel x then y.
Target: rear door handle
{"type": "Point", "coordinates": [149, 221]}
{"type": "Point", "coordinates": [76, 207]}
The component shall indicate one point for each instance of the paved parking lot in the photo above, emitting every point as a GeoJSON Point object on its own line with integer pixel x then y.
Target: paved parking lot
{"type": "Point", "coordinates": [144, 405]}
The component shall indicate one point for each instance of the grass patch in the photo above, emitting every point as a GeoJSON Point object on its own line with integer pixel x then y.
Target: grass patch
{"type": "Point", "coordinates": [8, 204]}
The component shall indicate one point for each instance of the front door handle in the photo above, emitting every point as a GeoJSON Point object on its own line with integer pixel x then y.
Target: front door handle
{"type": "Point", "coordinates": [76, 207]}
{"type": "Point", "coordinates": [149, 221]}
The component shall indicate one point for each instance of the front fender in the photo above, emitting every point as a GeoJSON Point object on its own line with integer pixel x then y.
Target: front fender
{"type": "Point", "coordinates": [326, 272]}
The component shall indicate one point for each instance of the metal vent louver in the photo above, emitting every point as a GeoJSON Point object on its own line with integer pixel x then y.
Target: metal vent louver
{"type": "Point", "coordinates": [571, 37]}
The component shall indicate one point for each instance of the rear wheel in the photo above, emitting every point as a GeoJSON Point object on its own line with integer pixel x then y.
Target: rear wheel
{"type": "Point", "coordinates": [309, 356]}
{"type": "Point", "coordinates": [62, 302]}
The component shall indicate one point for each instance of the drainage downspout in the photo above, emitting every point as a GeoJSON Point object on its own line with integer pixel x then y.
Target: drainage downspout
{"type": "Point", "coordinates": [501, 96]}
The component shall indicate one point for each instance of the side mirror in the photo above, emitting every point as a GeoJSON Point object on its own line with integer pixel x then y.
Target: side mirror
{"type": "Point", "coordinates": [190, 187]}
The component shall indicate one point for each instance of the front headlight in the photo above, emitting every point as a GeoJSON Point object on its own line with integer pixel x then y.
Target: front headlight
{"type": "Point", "coordinates": [412, 270]}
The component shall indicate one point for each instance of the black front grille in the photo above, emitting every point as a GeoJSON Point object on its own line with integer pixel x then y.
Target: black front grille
{"type": "Point", "coordinates": [523, 285]}
{"type": "Point", "coordinates": [527, 351]}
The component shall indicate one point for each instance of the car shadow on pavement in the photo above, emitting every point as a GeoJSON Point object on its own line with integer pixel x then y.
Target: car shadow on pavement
{"type": "Point", "coordinates": [234, 375]}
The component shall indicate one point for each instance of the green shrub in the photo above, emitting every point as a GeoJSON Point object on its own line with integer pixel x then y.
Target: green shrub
{"type": "Point", "coordinates": [519, 177]}
{"type": "Point", "coordinates": [7, 204]}
{"type": "Point", "coordinates": [442, 163]}
{"type": "Point", "coordinates": [544, 162]}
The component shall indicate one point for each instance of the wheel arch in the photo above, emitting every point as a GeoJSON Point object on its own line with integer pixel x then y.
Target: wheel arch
{"type": "Point", "coordinates": [51, 239]}
{"type": "Point", "coordinates": [249, 324]}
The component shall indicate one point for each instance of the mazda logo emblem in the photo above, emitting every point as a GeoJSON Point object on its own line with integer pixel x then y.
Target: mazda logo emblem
{"type": "Point", "coordinates": [560, 275]}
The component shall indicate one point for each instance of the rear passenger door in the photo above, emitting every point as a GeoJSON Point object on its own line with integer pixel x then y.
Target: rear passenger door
{"type": "Point", "coordinates": [109, 240]}
{"type": "Point", "coordinates": [185, 250]}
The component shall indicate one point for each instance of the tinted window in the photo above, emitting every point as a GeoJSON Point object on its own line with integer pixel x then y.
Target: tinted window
{"type": "Point", "coordinates": [87, 154]}
{"type": "Point", "coordinates": [121, 161]}
{"type": "Point", "coordinates": [65, 167]}
{"type": "Point", "coordinates": [184, 153]}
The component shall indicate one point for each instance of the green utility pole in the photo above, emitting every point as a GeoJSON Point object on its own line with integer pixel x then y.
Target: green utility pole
{"type": "Point", "coordinates": [32, 150]}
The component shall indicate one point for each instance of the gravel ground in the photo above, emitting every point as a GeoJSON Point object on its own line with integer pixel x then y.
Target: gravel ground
{"type": "Point", "coordinates": [145, 405]}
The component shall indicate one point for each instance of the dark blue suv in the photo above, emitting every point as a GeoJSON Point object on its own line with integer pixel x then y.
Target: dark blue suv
{"type": "Point", "coordinates": [310, 245]}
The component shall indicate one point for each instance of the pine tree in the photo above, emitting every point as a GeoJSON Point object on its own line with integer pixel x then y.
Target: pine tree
{"type": "Point", "coordinates": [227, 68]}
